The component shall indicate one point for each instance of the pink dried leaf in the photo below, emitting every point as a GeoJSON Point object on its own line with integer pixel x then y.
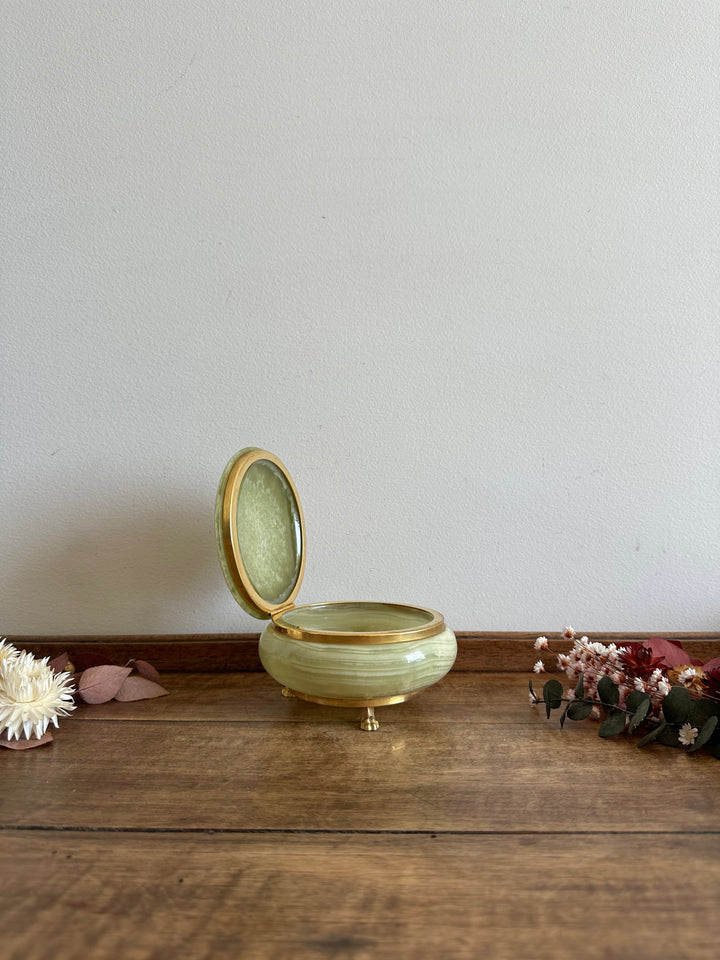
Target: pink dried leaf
{"type": "Point", "coordinates": [139, 688]}
{"type": "Point", "coordinates": [146, 670]}
{"type": "Point", "coordinates": [713, 664]}
{"type": "Point", "coordinates": [100, 684]}
{"type": "Point", "coordinates": [58, 664]}
{"type": "Point", "coordinates": [26, 744]}
{"type": "Point", "coordinates": [672, 653]}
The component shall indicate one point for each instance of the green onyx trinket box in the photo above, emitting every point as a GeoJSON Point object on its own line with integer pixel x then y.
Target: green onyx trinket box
{"type": "Point", "coordinates": [353, 654]}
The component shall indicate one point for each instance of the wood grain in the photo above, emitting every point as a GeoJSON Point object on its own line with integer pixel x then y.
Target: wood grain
{"type": "Point", "coordinates": [359, 897]}
{"type": "Point", "coordinates": [476, 772]}
{"type": "Point", "coordinates": [224, 821]}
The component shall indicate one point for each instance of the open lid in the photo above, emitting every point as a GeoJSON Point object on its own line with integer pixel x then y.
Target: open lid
{"type": "Point", "coordinates": [260, 533]}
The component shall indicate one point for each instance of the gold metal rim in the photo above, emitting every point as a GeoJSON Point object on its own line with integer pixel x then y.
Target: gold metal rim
{"type": "Point", "coordinates": [375, 702]}
{"type": "Point", "coordinates": [231, 546]}
{"type": "Point", "coordinates": [435, 625]}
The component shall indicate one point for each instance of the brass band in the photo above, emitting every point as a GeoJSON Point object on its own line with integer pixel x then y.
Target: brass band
{"type": "Point", "coordinates": [435, 625]}
{"type": "Point", "coordinates": [377, 702]}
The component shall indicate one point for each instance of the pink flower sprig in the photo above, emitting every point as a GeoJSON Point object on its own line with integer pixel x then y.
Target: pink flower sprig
{"type": "Point", "coordinates": [34, 693]}
{"type": "Point", "coordinates": [652, 684]}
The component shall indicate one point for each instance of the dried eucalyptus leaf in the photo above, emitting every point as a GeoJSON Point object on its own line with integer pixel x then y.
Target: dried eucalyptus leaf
{"type": "Point", "coordinates": [653, 734]}
{"type": "Point", "coordinates": [640, 713]}
{"type": "Point", "coordinates": [100, 684]}
{"type": "Point", "coordinates": [635, 698]}
{"type": "Point", "coordinates": [26, 744]}
{"type": "Point", "coordinates": [608, 692]}
{"type": "Point", "coordinates": [579, 709]}
{"type": "Point", "coordinates": [669, 736]}
{"type": "Point", "coordinates": [580, 687]}
{"type": "Point", "coordinates": [552, 695]}
{"type": "Point", "coordinates": [138, 688]}
{"type": "Point", "coordinates": [563, 715]}
{"type": "Point", "coordinates": [701, 711]}
{"type": "Point", "coordinates": [702, 738]}
{"type": "Point", "coordinates": [613, 724]}
{"type": "Point", "coordinates": [676, 705]}
{"type": "Point", "coordinates": [146, 670]}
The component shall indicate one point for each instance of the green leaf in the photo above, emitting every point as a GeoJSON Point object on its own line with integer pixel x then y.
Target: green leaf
{"type": "Point", "coordinates": [653, 734]}
{"type": "Point", "coordinates": [613, 724]}
{"type": "Point", "coordinates": [702, 738]}
{"type": "Point", "coordinates": [640, 713]}
{"type": "Point", "coordinates": [563, 715]}
{"type": "Point", "coordinates": [634, 699]}
{"type": "Point", "coordinates": [607, 692]}
{"type": "Point", "coordinates": [676, 705]}
{"type": "Point", "coordinates": [701, 711]}
{"type": "Point", "coordinates": [579, 709]}
{"type": "Point", "coordinates": [669, 736]}
{"type": "Point", "coordinates": [552, 695]}
{"type": "Point", "coordinates": [580, 687]}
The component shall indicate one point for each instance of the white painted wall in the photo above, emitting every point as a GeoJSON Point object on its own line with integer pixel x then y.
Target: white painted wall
{"type": "Point", "coordinates": [455, 263]}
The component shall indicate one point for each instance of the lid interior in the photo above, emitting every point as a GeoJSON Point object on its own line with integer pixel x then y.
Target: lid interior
{"type": "Point", "coordinates": [261, 532]}
{"type": "Point", "coordinates": [268, 531]}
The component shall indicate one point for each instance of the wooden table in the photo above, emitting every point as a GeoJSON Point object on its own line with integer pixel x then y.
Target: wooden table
{"type": "Point", "coordinates": [224, 821]}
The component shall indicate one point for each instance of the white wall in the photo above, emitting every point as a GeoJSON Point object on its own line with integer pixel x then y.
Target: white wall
{"type": "Point", "coordinates": [455, 262]}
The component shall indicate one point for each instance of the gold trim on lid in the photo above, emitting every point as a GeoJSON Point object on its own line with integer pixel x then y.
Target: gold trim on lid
{"type": "Point", "coordinates": [261, 607]}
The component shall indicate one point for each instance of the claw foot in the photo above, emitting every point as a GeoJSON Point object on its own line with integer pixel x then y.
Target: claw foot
{"type": "Point", "coordinates": [368, 721]}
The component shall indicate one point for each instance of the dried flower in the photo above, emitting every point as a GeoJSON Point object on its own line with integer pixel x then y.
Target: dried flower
{"type": "Point", "coordinates": [687, 676]}
{"type": "Point", "coordinates": [568, 633]}
{"type": "Point", "coordinates": [7, 650]}
{"type": "Point", "coordinates": [541, 643]}
{"type": "Point", "coordinates": [651, 687]}
{"type": "Point", "coordinates": [639, 660]}
{"type": "Point", "coordinates": [687, 735]}
{"type": "Point", "coordinates": [31, 696]}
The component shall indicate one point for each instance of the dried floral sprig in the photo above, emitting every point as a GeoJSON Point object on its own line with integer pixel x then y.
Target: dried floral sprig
{"type": "Point", "coordinates": [35, 693]}
{"type": "Point", "coordinates": [32, 696]}
{"type": "Point", "coordinates": [652, 685]}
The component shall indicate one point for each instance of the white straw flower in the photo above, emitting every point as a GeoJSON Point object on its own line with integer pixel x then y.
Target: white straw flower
{"type": "Point", "coordinates": [7, 650]}
{"type": "Point", "coordinates": [31, 696]}
{"type": "Point", "coordinates": [539, 667]}
{"type": "Point", "coordinates": [541, 643]}
{"type": "Point", "coordinates": [689, 673]}
{"type": "Point", "coordinates": [687, 735]}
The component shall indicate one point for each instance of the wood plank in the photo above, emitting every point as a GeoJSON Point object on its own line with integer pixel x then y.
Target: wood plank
{"type": "Point", "coordinates": [526, 775]}
{"type": "Point", "coordinates": [232, 697]}
{"type": "Point", "coordinates": [359, 897]}
{"type": "Point", "coordinates": [477, 650]}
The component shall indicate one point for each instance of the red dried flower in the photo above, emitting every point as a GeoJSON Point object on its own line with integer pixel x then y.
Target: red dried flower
{"type": "Point", "coordinates": [639, 661]}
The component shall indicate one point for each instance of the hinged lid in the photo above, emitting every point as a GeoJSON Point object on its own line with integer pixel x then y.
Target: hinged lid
{"type": "Point", "coordinates": [260, 533]}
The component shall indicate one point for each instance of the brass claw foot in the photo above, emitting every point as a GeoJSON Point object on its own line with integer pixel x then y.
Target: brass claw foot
{"type": "Point", "coordinates": [368, 721]}
{"type": "Point", "coordinates": [287, 692]}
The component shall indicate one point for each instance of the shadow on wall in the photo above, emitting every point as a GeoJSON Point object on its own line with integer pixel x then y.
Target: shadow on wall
{"type": "Point", "coordinates": [114, 567]}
